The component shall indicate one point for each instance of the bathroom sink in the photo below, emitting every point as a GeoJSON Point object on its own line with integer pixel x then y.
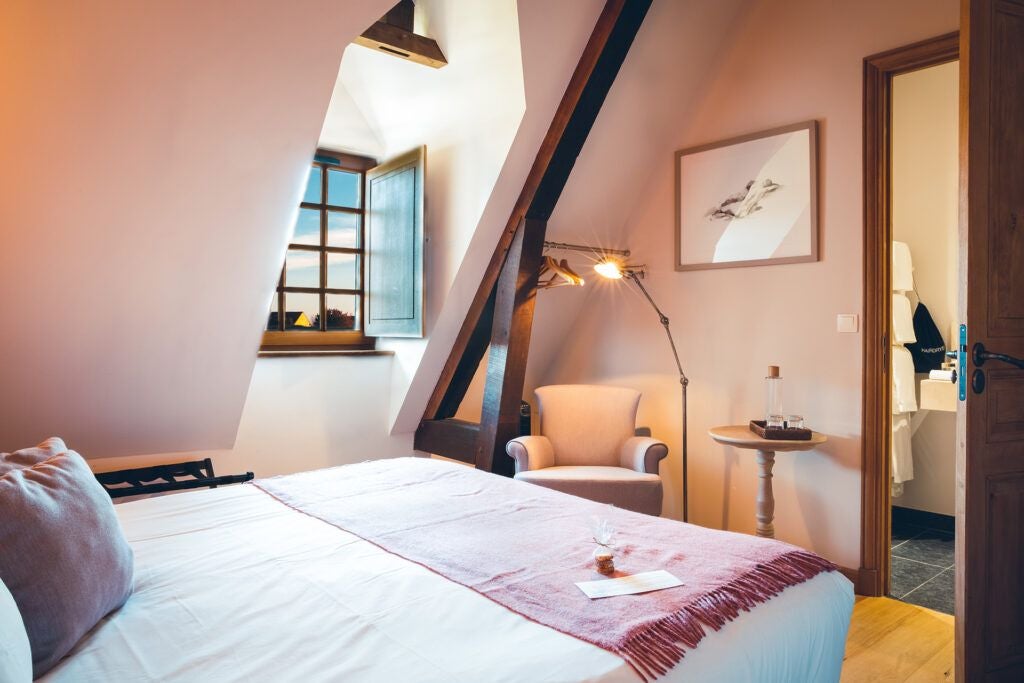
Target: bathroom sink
{"type": "Point", "coordinates": [938, 394]}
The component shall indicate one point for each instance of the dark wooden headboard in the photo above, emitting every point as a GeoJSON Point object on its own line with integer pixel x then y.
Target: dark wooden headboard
{"type": "Point", "coordinates": [176, 476]}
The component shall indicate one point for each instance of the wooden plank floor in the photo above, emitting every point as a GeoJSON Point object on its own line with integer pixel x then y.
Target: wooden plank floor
{"type": "Point", "coordinates": [894, 641]}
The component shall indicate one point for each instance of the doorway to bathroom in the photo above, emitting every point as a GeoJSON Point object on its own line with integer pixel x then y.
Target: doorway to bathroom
{"type": "Point", "coordinates": [989, 489]}
{"type": "Point", "coordinates": [925, 249]}
{"type": "Point", "coordinates": [912, 313]}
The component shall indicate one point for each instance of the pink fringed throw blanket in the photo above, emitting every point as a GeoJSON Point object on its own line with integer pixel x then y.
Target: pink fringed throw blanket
{"type": "Point", "coordinates": [524, 547]}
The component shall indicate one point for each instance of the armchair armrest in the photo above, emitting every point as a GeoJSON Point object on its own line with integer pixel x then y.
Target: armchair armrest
{"type": "Point", "coordinates": [642, 454]}
{"type": "Point", "coordinates": [531, 453]}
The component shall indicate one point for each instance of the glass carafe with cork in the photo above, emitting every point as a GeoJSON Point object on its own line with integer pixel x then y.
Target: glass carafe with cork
{"type": "Point", "coordinates": [773, 415]}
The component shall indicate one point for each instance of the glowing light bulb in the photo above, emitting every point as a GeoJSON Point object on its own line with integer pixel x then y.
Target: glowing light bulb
{"type": "Point", "coordinates": [609, 269]}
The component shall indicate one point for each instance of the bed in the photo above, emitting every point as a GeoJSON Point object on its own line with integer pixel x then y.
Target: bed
{"type": "Point", "coordinates": [233, 585]}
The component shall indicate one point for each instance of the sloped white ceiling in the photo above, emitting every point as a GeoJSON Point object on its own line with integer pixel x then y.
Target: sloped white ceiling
{"type": "Point", "coordinates": [551, 36]}
{"type": "Point", "coordinates": [154, 156]}
{"type": "Point", "coordinates": [346, 128]}
{"type": "Point", "coordinates": [659, 89]}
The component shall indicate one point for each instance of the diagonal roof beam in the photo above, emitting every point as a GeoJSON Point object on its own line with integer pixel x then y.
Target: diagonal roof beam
{"type": "Point", "coordinates": [598, 66]}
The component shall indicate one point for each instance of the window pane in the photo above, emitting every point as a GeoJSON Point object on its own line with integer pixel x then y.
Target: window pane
{"type": "Point", "coordinates": [342, 229]}
{"type": "Point", "coordinates": [313, 186]}
{"type": "Point", "coordinates": [302, 268]}
{"type": "Point", "coordinates": [342, 311]}
{"type": "Point", "coordinates": [302, 312]}
{"type": "Point", "coordinates": [307, 227]}
{"type": "Point", "coordinates": [272, 325]}
{"type": "Point", "coordinates": [341, 271]}
{"type": "Point", "coordinates": [343, 188]}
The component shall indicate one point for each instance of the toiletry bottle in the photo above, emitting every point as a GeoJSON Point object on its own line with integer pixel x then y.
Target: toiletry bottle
{"type": "Point", "coordinates": [773, 398]}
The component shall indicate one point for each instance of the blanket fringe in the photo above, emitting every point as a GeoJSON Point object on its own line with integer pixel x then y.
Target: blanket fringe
{"type": "Point", "coordinates": [655, 648]}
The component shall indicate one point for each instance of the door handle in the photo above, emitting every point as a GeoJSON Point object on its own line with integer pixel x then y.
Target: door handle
{"type": "Point", "coordinates": [979, 355]}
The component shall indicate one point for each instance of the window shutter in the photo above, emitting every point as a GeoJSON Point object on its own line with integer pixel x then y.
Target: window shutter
{"type": "Point", "coordinates": [394, 247]}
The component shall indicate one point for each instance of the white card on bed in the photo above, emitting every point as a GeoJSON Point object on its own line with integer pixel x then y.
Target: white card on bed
{"type": "Point", "coordinates": [629, 585]}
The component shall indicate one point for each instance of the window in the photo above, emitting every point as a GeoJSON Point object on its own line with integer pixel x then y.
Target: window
{"type": "Point", "coordinates": [320, 296]}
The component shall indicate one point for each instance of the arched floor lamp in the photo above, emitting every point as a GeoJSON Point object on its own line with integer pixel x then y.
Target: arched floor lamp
{"type": "Point", "coordinates": [613, 269]}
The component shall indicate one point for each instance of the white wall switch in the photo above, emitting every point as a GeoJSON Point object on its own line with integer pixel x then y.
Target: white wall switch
{"type": "Point", "coordinates": [847, 323]}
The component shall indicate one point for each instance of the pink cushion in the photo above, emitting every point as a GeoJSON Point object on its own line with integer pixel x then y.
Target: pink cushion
{"type": "Point", "coordinates": [65, 559]}
{"type": "Point", "coordinates": [618, 486]}
{"type": "Point", "coordinates": [587, 423]}
{"type": "Point", "coordinates": [27, 457]}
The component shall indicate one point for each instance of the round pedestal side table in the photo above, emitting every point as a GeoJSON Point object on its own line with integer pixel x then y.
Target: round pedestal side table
{"type": "Point", "coordinates": [740, 436]}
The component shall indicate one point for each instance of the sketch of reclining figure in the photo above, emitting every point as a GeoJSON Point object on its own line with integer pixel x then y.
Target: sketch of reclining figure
{"type": "Point", "coordinates": [742, 204]}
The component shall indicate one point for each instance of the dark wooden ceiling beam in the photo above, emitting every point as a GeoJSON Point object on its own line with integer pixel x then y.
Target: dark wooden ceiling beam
{"type": "Point", "coordinates": [452, 438]}
{"type": "Point", "coordinates": [592, 94]}
{"type": "Point", "coordinates": [595, 72]}
{"type": "Point", "coordinates": [402, 15]}
{"type": "Point", "coordinates": [393, 35]}
{"type": "Point", "coordinates": [510, 346]}
{"type": "Point", "coordinates": [403, 44]}
{"type": "Point", "coordinates": [602, 33]}
{"type": "Point", "coordinates": [476, 348]}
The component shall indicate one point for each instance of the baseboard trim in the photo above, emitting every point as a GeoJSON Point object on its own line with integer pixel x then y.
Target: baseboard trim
{"type": "Point", "coordinates": [851, 574]}
{"type": "Point", "coordinates": [868, 582]}
{"type": "Point", "coordinates": [865, 581]}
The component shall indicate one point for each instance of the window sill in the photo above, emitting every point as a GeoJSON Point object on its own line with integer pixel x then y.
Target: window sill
{"type": "Point", "coordinates": [315, 354]}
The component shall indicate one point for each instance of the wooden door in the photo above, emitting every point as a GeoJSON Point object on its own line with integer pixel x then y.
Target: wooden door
{"type": "Point", "coordinates": [990, 457]}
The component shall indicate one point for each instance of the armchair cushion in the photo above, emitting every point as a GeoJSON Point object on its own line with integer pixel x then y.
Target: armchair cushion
{"type": "Point", "coordinates": [587, 423]}
{"type": "Point", "coordinates": [642, 454]}
{"type": "Point", "coordinates": [618, 486]}
{"type": "Point", "coordinates": [531, 453]}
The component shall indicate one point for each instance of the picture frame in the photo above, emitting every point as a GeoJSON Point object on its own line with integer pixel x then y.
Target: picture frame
{"type": "Point", "coordinates": [748, 201]}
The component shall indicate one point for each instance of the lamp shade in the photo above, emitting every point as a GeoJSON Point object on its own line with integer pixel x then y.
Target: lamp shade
{"type": "Point", "coordinates": [609, 268]}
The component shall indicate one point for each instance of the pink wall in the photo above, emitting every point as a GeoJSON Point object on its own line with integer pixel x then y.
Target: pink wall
{"type": "Point", "coordinates": [144, 383]}
{"type": "Point", "coordinates": [153, 159]}
{"type": "Point", "coordinates": [785, 62]}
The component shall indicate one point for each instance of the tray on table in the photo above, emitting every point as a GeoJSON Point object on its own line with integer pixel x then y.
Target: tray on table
{"type": "Point", "coordinates": [760, 428]}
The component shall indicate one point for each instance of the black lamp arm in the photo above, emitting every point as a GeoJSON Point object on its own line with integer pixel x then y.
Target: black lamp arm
{"type": "Point", "coordinates": [683, 382]}
{"type": "Point", "coordinates": [632, 275]}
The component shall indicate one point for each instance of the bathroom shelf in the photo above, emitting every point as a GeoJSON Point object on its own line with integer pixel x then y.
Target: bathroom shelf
{"type": "Point", "coordinates": [937, 394]}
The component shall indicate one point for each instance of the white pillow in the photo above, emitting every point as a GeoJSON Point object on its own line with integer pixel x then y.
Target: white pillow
{"type": "Point", "coordinates": [15, 654]}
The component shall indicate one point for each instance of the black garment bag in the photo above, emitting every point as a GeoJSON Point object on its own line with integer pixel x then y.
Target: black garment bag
{"type": "Point", "coordinates": [929, 350]}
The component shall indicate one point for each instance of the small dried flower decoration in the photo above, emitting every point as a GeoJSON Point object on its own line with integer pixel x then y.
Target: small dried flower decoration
{"type": "Point", "coordinates": [603, 532]}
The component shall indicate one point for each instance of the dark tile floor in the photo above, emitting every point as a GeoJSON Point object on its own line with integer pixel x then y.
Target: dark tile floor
{"type": "Point", "coordinates": [922, 566]}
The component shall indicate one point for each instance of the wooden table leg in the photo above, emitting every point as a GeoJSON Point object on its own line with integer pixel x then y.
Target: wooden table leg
{"type": "Point", "coordinates": [765, 497]}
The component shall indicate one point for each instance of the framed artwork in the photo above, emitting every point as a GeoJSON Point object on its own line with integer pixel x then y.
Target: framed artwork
{"type": "Point", "coordinates": [748, 201]}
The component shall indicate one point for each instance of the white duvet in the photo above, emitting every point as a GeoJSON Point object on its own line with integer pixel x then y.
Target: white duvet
{"type": "Point", "coordinates": [231, 585]}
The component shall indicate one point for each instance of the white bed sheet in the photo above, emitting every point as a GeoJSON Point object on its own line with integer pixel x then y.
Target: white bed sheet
{"type": "Point", "coordinates": [231, 585]}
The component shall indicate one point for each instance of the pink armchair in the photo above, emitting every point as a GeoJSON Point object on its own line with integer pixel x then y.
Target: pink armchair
{"type": "Point", "coordinates": [589, 446]}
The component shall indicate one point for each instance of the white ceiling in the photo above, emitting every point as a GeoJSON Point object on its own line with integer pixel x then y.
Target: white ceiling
{"type": "Point", "coordinates": [383, 106]}
{"type": "Point", "coordinates": [346, 128]}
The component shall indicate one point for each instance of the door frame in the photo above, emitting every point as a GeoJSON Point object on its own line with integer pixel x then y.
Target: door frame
{"type": "Point", "coordinates": [876, 464]}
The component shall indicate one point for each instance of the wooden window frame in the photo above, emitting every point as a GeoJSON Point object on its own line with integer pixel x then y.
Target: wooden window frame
{"type": "Point", "coordinates": [324, 339]}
